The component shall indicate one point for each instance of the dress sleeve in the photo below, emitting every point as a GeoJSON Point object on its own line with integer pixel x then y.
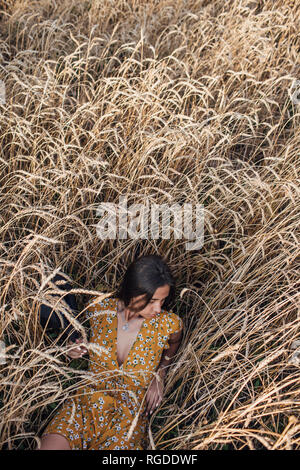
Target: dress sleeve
{"type": "Point", "coordinates": [175, 324]}
{"type": "Point", "coordinates": [92, 308]}
{"type": "Point", "coordinates": [49, 319]}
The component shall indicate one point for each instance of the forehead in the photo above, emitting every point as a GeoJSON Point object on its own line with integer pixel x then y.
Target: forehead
{"type": "Point", "coordinates": [160, 293]}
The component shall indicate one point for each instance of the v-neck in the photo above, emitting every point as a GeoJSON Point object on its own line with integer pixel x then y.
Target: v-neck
{"type": "Point", "coordinates": [116, 339]}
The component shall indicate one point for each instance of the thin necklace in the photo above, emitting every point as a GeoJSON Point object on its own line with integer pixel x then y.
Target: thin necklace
{"type": "Point", "coordinates": [125, 325]}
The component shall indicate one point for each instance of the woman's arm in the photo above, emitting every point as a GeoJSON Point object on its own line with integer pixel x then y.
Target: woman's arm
{"type": "Point", "coordinates": [50, 319]}
{"type": "Point", "coordinates": [156, 389]}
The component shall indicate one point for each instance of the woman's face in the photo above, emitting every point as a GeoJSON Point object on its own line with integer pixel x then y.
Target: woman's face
{"type": "Point", "coordinates": [155, 304]}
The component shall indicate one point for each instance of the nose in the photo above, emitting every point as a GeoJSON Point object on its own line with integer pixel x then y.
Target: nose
{"type": "Point", "coordinates": [156, 309]}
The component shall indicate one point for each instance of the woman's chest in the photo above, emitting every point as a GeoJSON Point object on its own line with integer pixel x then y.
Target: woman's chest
{"type": "Point", "coordinates": [126, 338]}
{"type": "Point", "coordinates": [138, 347]}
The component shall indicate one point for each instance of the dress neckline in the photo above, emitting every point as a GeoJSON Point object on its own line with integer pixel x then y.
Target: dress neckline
{"type": "Point", "coordinates": [116, 339]}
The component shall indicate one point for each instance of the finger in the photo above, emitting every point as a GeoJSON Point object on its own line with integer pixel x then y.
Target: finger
{"type": "Point", "coordinates": [83, 350]}
{"type": "Point", "coordinates": [150, 404]}
{"type": "Point", "coordinates": [157, 402]}
{"type": "Point", "coordinates": [154, 405]}
{"type": "Point", "coordinates": [74, 353]}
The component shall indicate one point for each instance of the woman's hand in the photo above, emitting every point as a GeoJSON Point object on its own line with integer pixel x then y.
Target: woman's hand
{"type": "Point", "coordinates": [76, 351]}
{"type": "Point", "coordinates": [154, 394]}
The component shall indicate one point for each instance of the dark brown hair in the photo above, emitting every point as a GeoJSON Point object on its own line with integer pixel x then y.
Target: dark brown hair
{"type": "Point", "coordinates": [144, 276]}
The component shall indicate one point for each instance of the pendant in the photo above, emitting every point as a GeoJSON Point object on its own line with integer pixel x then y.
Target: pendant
{"type": "Point", "coordinates": [125, 326]}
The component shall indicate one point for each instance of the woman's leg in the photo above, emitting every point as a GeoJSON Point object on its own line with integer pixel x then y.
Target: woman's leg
{"type": "Point", "coordinates": [54, 442]}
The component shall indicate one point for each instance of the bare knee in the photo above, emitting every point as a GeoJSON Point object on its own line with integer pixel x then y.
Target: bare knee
{"type": "Point", "coordinates": [54, 442]}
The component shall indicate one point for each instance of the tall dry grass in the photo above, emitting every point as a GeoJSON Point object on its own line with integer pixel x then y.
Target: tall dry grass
{"type": "Point", "coordinates": [186, 101]}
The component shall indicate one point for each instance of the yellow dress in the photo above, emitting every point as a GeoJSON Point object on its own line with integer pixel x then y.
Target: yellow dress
{"type": "Point", "coordinates": [109, 415]}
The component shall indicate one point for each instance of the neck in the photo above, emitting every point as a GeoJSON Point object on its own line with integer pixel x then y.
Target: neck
{"type": "Point", "coordinates": [128, 314]}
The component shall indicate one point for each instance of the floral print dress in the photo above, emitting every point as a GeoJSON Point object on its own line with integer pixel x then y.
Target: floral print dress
{"type": "Point", "coordinates": [109, 415]}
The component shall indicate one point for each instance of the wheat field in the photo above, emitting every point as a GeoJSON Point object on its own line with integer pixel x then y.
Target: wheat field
{"type": "Point", "coordinates": [163, 101]}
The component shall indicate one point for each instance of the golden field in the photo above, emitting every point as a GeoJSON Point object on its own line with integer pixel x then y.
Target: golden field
{"type": "Point", "coordinates": [187, 101]}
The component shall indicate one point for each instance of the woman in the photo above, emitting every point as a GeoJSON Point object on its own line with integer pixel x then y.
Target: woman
{"type": "Point", "coordinates": [134, 341]}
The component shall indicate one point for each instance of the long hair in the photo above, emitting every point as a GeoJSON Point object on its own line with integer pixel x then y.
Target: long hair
{"type": "Point", "coordinates": [144, 276]}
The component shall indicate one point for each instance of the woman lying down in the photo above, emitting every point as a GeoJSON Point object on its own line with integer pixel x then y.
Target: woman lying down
{"type": "Point", "coordinates": [140, 335]}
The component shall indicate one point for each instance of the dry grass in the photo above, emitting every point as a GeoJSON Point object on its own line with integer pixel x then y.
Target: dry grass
{"type": "Point", "coordinates": [164, 101]}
